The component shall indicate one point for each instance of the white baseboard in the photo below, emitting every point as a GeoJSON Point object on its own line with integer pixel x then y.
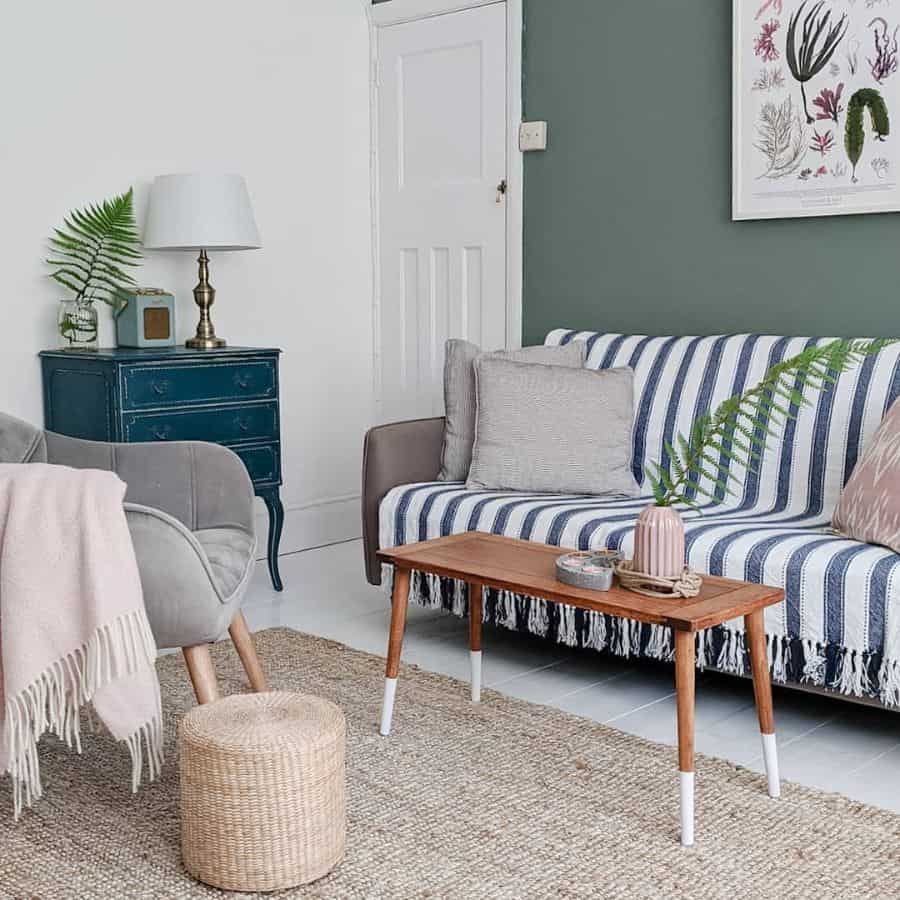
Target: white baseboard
{"type": "Point", "coordinates": [327, 521]}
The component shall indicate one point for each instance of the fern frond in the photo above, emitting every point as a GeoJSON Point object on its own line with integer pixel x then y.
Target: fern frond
{"type": "Point", "coordinates": [773, 404]}
{"type": "Point", "coordinates": [94, 249]}
{"type": "Point", "coordinates": [659, 489]}
{"type": "Point", "coordinates": [65, 281]}
{"type": "Point", "coordinates": [726, 454]}
{"type": "Point", "coordinates": [745, 422]}
{"type": "Point", "coordinates": [725, 473]}
{"type": "Point", "coordinates": [71, 263]}
{"type": "Point", "coordinates": [675, 462]}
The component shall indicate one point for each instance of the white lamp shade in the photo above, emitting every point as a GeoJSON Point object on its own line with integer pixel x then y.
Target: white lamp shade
{"type": "Point", "coordinates": [194, 212]}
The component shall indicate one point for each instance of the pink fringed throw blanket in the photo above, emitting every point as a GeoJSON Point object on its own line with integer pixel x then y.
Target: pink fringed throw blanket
{"type": "Point", "coordinates": [73, 628]}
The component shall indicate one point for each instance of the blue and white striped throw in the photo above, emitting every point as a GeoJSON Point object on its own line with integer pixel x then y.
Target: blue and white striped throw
{"type": "Point", "coordinates": [840, 624]}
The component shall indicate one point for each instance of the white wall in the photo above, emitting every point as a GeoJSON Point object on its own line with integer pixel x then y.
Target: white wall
{"type": "Point", "coordinates": [100, 94]}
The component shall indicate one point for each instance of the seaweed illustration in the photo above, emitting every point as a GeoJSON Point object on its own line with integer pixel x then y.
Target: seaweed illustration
{"type": "Point", "coordinates": [853, 57]}
{"type": "Point", "coordinates": [764, 43]}
{"type": "Point", "coordinates": [886, 50]}
{"type": "Point", "coordinates": [818, 41]}
{"type": "Point", "coordinates": [855, 136]}
{"type": "Point", "coordinates": [829, 103]}
{"type": "Point", "coordinates": [781, 138]}
{"type": "Point", "coordinates": [774, 5]}
{"type": "Point", "coordinates": [839, 170]}
{"type": "Point", "coordinates": [881, 167]}
{"type": "Point", "coordinates": [822, 143]}
{"type": "Point", "coordinates": [769, 79]}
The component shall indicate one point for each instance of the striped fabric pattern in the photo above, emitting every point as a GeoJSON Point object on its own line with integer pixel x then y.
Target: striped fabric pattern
{"type": "Point", "coordinates": [840, 624]}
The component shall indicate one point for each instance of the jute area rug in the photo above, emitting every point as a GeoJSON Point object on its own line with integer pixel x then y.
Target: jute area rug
{"type": "Point", "coordinates": [502, 800]}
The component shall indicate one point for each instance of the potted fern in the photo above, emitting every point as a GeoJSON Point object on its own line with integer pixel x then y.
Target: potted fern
{"type": "Point", "coordinates": [91, 252]}
{"type": "Point", "coordinates": [700, 463]}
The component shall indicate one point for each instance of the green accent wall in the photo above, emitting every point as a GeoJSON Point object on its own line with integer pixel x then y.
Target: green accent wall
{"type": "Point", "coordinates": [628, 212]}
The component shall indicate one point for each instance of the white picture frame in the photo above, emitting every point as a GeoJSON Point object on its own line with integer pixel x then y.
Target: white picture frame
{"type": "Point", "coordinates": [791, 154]}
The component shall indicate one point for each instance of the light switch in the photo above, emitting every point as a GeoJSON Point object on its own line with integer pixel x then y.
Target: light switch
{"type": "Point", "coordinates": [532, 136]}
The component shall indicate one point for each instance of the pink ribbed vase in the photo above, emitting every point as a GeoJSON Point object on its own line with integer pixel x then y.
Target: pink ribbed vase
{"type": "Point", "coordinates": [659, 542]}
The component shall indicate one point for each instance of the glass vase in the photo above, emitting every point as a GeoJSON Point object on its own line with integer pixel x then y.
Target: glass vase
{"type": "Point", "coordinates": [78, 325]}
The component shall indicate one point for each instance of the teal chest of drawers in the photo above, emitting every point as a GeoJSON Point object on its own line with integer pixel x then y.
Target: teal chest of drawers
{"type": "Point", "coordinates": [227, 396]}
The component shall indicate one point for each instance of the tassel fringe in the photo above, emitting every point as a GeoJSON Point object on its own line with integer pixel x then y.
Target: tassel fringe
{"type": "Point", "coordinates": [848, 671]}
{"type": "Point", "coordinates": [814, 664]}
{"type": "Point", "coordinates": [889, 677]}
{"type": "Point", "coordinates": [54, 700]}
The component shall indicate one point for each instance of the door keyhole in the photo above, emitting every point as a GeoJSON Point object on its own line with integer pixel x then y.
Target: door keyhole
{"type": "Point", "coordinates": [501, 190]}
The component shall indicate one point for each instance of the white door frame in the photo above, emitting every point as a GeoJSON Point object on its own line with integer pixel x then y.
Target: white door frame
{"type": "Point", "coordinates": [396, 12]}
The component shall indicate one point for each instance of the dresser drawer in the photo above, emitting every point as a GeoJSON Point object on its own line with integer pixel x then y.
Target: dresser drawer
{"type": "Point", "coordinates": [263, 462]}
{"type": "Point", "coordinates": [175, 385]}
{"type": "Point", "coordinates": [256, 421]}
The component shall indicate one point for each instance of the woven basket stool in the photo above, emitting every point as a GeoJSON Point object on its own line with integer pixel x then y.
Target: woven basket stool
{"type": "Point", "coordinates": [262, 790]}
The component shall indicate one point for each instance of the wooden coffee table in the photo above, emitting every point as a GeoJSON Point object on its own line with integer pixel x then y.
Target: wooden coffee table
{"type": "Point", "coordinates": [491, 561]}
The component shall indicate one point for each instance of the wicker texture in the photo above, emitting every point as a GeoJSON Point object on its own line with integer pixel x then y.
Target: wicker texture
{"type": "Point", "coordinates": [262, 790]}
{"type": "Point", "coordinates": [502, 800]}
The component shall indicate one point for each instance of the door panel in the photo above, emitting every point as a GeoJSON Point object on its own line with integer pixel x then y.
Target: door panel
{"type": "Point", "coordinates": [440, 115]}
{"type": "Point", "coordinates": [442, 231]}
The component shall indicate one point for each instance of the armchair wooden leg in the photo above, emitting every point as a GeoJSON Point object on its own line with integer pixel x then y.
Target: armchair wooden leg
{"type": "Point", "coordinates": [243, 643]}
{"type": "Point", "coordinates": [203, 674]}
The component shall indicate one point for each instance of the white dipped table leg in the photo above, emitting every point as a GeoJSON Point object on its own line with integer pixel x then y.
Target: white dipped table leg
{"type": "Point", "coordinates": [685, 673]}
{"type": "Point", "coordinates": [770, 755]}
{"type": "Point", "coordinates": [475, 657]}
{"type": "Point", "coordinates": [687, 809]}
{"type": "Point", "coordinates": [399, 605]}
{"type": "Point", "coordinates": [387, 706]}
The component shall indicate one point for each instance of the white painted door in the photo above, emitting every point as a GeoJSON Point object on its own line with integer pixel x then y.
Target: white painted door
{"type": "Point", "coordinates": [442, 210]}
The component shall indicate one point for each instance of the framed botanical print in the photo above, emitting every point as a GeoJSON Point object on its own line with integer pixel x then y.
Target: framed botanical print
{"type": "Point", "coordinates": [816, 106]}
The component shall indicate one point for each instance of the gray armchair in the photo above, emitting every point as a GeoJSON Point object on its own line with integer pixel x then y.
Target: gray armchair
{"type": "Point", "coordinates": [189, 508]}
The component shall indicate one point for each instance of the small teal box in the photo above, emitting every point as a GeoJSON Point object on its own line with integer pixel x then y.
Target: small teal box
{"type": "Point", "coordinates": [147, 319]}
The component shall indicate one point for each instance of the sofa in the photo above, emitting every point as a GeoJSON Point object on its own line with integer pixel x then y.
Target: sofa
{"type": "Point", "coordinates": [839, 628]}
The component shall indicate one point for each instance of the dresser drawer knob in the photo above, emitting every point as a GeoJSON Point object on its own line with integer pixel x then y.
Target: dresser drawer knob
{"type": "Point", "coordinates": [242, 424]}
{"type": "Point", "coordinates": [160, 387]}
{"type": "Point", "coordinates": [162, 433]}
{"type": "Point", "coordinates": [242, 381]}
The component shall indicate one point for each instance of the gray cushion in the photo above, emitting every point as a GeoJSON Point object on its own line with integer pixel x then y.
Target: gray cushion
{"type": "Point", "coordinates": [459, 394]}
{"type": "Point", "coordinates": [230, 552]}
{"type": "Point", "coordinates": [193, 582]}
{"type": "Point", "coordinates": [552, 429]}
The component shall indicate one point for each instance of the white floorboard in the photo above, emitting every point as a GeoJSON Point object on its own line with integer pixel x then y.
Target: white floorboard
{"type": "Point", "coordinates": [824, 743]}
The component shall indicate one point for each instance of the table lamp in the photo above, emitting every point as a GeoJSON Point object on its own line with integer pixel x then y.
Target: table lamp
{"type": "Point", "coordinates": [201, 212]}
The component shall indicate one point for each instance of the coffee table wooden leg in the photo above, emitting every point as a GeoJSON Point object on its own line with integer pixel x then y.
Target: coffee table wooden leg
{"type": "Point", "coordinates": [685, 668]}
{"type": "Point", "coordinates": [754, 623]}
{"type": "Point", "coordinates": [399, 603]}
{"type": "Point", "coordinates": [476, 598]}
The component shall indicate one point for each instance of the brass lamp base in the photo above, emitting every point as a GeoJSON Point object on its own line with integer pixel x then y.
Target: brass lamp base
{"type": "Point", "coordinates": [204, 297]}
{"type": "Point", "coordinates": [197, 343]}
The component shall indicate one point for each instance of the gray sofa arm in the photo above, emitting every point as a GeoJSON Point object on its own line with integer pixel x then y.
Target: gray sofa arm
{"type": "Point", "coordinates": [201, 485]}
{"type": "Point", "coordinates": [401, 453]}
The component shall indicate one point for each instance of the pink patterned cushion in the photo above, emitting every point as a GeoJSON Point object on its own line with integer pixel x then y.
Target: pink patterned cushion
{"type": "Point", "coordinates": [869, 507]}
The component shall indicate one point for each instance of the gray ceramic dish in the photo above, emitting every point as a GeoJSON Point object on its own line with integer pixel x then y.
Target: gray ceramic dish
{"type": "Point", "coordinates": [592, 570]}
